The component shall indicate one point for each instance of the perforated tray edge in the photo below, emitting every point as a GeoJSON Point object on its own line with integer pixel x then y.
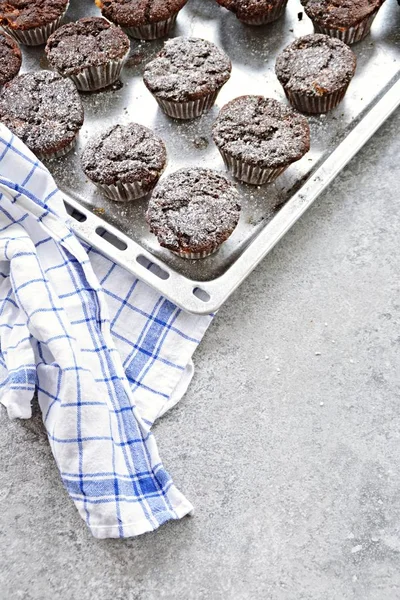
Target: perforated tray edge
{"type": "Point", "coordinates": [207, 297]}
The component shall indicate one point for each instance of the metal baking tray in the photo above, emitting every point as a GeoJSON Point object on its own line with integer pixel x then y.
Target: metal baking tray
{"type": "Point", "coordinates": [120, 230]}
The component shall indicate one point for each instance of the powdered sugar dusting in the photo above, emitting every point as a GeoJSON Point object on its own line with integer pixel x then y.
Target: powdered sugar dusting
{"type": "Point", "coordinates": [193, 209]}
{"type": "Point", "coordinates": [86, 43]}
{"type": "Point", "coordinates": [315, 64]}
{"type": "Point", "coordinates": [126, 154]}
{"type": "Point", "coordinates": [261, 131]}
{"type": "Point", "coordinates": [187, 69]}
{"type": "Point", "coordinates": [43, 109]}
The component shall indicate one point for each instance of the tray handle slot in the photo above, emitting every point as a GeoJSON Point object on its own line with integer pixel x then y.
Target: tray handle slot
{"type": "Point", "coordinates": [75, 213]}
{"type": "Point", "coordinates": [201, 294]}
{"type": "Point", "coordinates": [111, 238]}
{"type": "Point", "coordinates": [152, 267]}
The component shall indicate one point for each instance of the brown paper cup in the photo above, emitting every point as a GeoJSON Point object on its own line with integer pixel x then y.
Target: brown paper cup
{"type": "Point", "coordinates": [268, 17]}
{"type": "Point", "coordinates": [351, 35]}
{"type": "Point", "coordinates": [152, 31]}
{"type": "Point", "coordinates": [58, 153]}
{"type": "Point", "coordinates": [38, 35]}
{"type": "Point", "coordinates": [124, 192]}
{"type": "Point", "coordinates": [316, 104]}
{"type": "Point", "coordinates": [249, 173]}
{"type": "Point", "coordinates": [196, 255]}
{"type": "Point", "coordinates": [97, 78]}
{"type": "Point", "coordinates": [188, 110]}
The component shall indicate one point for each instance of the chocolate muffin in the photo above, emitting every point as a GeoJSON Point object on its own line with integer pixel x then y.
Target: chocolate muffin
{"type": "Point", "coordinates": [255, 12]}
{"type": "Point", "coordinates": [10, 58]}
{"type": "Point", "coordinates": [348, 20]}
{"type": "Point", "coordinates": [31, 23]}
{"type": "Point", "coordinates": [193, 211]}
{"type": "Point", "coordinates": [315, 72]}
{"type": "Point", "coordinates": [142, 19]}
{"type": "Point", "coordinates": [44, 110]}
{"type": "Point", "coordinates": [124, 161]}
{"type": "Point", "coordinates": [187, 75]}
{"type": "Point", "coordinates": [90, 51]}
{"type": "Point", "coordinates": [259, 138]}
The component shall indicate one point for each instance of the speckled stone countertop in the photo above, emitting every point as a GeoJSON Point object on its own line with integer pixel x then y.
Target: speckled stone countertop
{"type": "Point", "coordinates": [287, 441]}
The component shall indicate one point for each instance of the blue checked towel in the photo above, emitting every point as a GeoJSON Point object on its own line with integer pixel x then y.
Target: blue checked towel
{"type": "Point", "coordinates": [106, 354]}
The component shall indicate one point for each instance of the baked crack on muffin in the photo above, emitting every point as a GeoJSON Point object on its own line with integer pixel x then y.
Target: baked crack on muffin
{"type": "Point", "coordinates": [91, 51]}
{"type": "Point", "coordinates": [186, 76]}
{"type": "Point", "coordinates": [348, 20]}
{"type": "Point", "coordinates": [32, 22]}
{"type": "Point", "coordinates": [44, 110]}
{"type": "Point", "coordinates": [255, 12]}
{"type": "Point", "coordinates": [142, 19]}
{"type": "Point", "coordinates": [260, 137]}
{"type": "Point", "coordinates": [315, 72]}
{"type": "Point", "coordinates": [193, 211]}
{"type": "Point", "coordinates": [124, 161]}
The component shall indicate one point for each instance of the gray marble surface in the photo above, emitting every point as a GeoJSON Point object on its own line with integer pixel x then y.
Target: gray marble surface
{"type": "Point", "coordinates": [288, 441]}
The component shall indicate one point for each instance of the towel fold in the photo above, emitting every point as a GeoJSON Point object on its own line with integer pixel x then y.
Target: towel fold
{"type": "Point", "coordinates": [107, 355]}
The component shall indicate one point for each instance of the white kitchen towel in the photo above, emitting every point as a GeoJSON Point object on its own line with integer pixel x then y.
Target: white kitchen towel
{"type": "Point", "coordinates": [106, 354]}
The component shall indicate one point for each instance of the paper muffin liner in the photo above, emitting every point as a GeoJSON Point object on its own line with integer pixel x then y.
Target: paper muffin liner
{"type": "Point", "coordinates": [96, 78]}
{"type": "Point", "coordinates": [349, 35]}
{"type": "Point", "coordinates": [196, 255]}
{"type": "Point", "coordinates": [58, 153]}
{"type": "Point", "coordinates": [152, 31]}
{"type": "Point", "coordinates": [190, 109]}
{"type": "Point", "coordinates": [249, 173]}
{"type": "Point", "coordinates": [124, 192]}
{"type": "Point", "coordinates": [270, 16]}
{"type": "Point", "coordinates": [316, 104]}
{"type": "Point", "coordinates": [38, 35]}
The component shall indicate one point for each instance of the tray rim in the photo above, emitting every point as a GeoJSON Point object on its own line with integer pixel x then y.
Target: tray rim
{"type": "Point", "coordinates": [180, 289]}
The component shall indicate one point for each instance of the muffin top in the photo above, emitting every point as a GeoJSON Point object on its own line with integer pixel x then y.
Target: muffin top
{"type": "Point", "coordinates": [134, 13]}
{"type": "Point", "coordinates": [91, 41]}
{"type": "Point", "coordinates": [261, 131]}
{"type": "Point", "coordinates": [187, 69]}
{"type": "Point", "coordinates": [193, 209]}
{"type": "Point", "coordinates": [125, 153]}
{"type": "Point", "coordinates": [315, 65]}
{"type": "Point", "coordinates": [10, 58]}
{"type": "Point", "coordinates": [340, 13]}
{"type": "Point", "coordinates": [43, 109]}
{"type": "Point", "coordinates": [24, 14]}
{"type": "Point", "coordinates": [248, 9]}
